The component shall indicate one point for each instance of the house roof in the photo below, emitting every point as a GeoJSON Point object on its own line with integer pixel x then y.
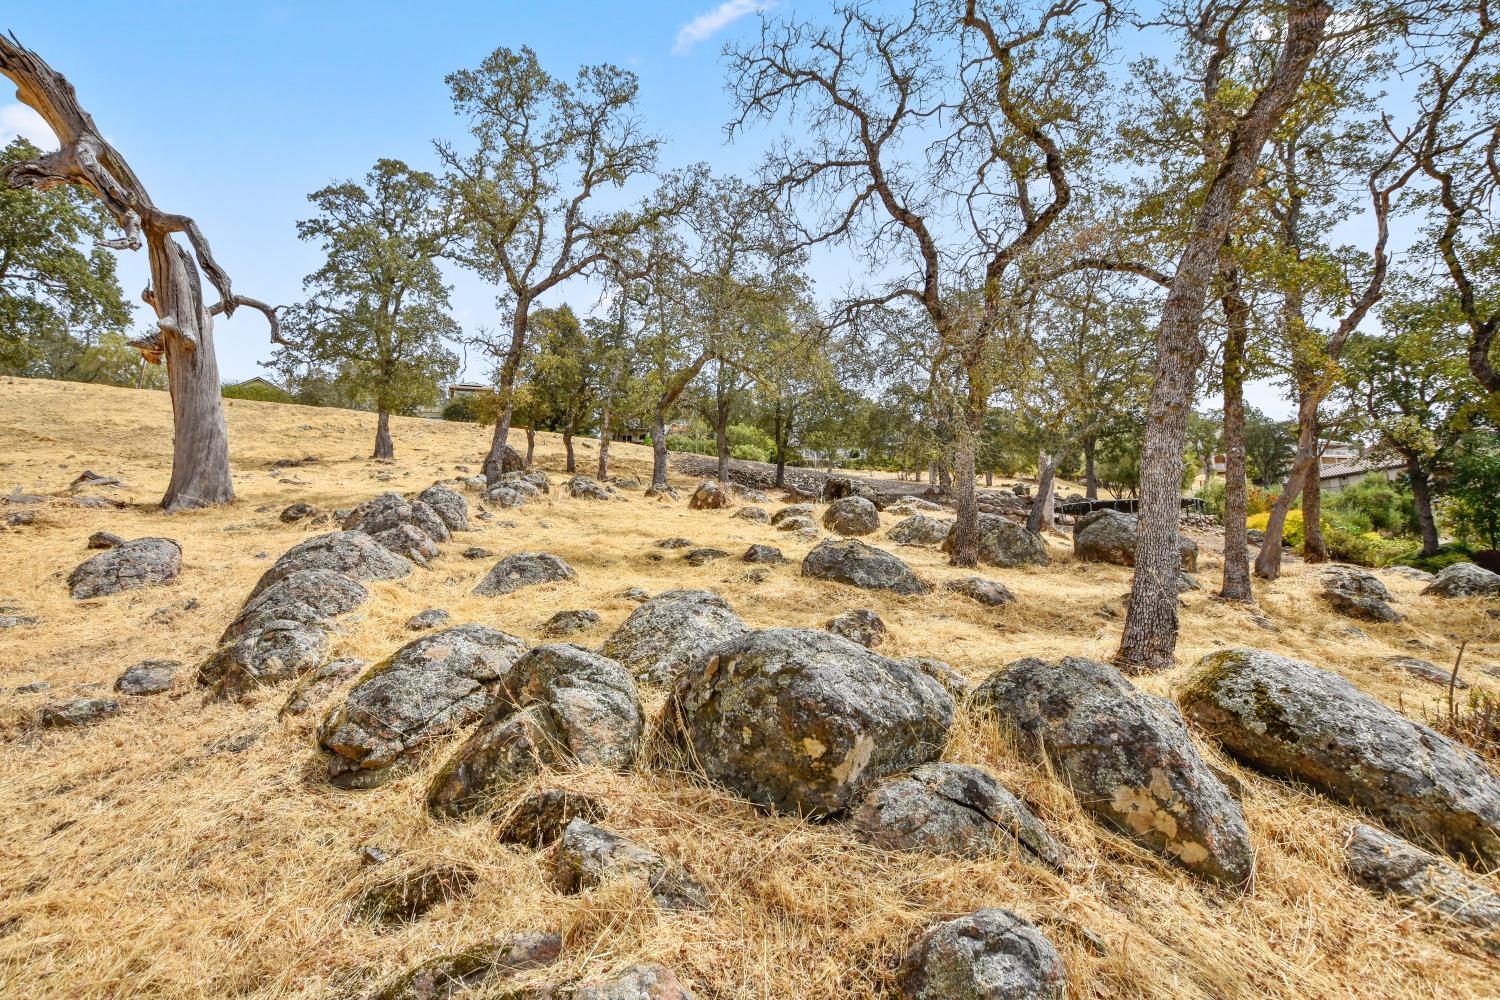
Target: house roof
{"type": "Point", "coordinates": [258, 378]}
{"type": "Point", "coordinates": [1368, 463]}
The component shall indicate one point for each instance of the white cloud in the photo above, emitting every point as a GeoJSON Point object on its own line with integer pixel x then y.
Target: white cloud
{"type": "Point", "coordinates": [710, 23]}
{"type": "Point", "coordinates": [20, 120]}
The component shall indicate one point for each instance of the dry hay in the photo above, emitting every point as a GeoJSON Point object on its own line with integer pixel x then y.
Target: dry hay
{"type": "Point", "coordinates": [191, 849]}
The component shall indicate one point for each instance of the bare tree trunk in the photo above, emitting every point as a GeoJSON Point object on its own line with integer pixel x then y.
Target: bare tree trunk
{"type": "Point", "coordinates": [659, 450]}
{"type": "Point", "coordinates": [1314, 547]}
{"type": "Point", "coordinates": [1236, 554]}
{"type": "Point", "coordinates": [1041, 507]}
{"type": "Point", "coordinates": [530, 443]}
{"type": "Point", "coordinates": [571, 465]}
{"type": "Point", "coordinates": [604, 440]}
{"type": "Point", "coordinates": [1421, 496]}
{"type": "Point", "coordinates": [384, 448]}
{"type": "Point", "coordinates": [494, 462]}
{"type": "Point", "coordinates": [200, 437]}
{"type": "Point", "coordinates": [966, 503]}
{"type": "Point", "coordinates": [989, 477]}
{"type": "Point", "coordinates": [1268, 560]}
{"type": "Point", "coordinates": [782, 433]}
{"type": "Point", "coordinates": [721, 437]}
{"type": "Point", "coordinates": [945, 475]}
{"type": "Point", "coordinates": [1090, 474]}
{"type": "Point", "coordinates": [1150, 636]}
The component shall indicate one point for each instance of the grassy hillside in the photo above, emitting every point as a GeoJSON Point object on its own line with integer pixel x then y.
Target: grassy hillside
{"type": "Point", "coordinates": [188, 848]}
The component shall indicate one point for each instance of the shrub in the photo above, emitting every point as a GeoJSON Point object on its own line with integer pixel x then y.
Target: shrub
{"type": "Point", "coordinates": [257, 391]}
{"type": "Point", "coordinates": [750, 453]}
{"type": "Point", "coordinates": [1368, 548]}
{"type": "Point", "coordinates": [1212, 495]}
{"type": "Point", "coordinates": [1445, 556]}
{"type": "Point", "coordinates": [1291, 532]}
{"type": "Point", "coordinates": [461, 410]}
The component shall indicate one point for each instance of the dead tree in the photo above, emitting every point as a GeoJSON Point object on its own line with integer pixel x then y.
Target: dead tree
{"type": "Point", "coordinates": [183, 339]}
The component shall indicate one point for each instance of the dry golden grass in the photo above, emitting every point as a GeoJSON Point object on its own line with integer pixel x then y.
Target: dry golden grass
{"type": "Point", "coordinates": [147, 856]}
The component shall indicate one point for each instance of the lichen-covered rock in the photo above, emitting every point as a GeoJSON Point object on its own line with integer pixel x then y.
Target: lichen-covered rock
{"type": "Point", "coordinates": [800, 720]}
{"type": "Point", "coordinates": [448, 504]}
{"type": "Point", "coordinates": [670, 631]}
{"type": "Point", "coordinates": [989, 954]}
{"type": "Point", "coordinates": [295, 512]}
{"type": "Point", "coordinates": [1358, 594]}
{"type": "Point", "coordinates": [315, 685]}
{"type": "Point", "coordinates": [77, 712]}
{"type": "Point", "coordinates": [588, 855]}
{"type": "Point", "coordinates": [802, 525]}
{"type": "Point", "coordinates": [991, 593]}
{"type": "Point", "coordinates": [312, 597]}
{"type": "Point", "coordinates": [559, 705]}
{"type": "Point", "coordinates": [523, 569]}
{"type": "Point", "coordinates": [426, 689]}
{"type": "Point", "coordinates": [754, 514]}
{"type": "Point", "coordinates": [1109, 536]}
{"type": "Point", "coordinates": [806, 510]}
{"type": "Point", "coordinates": [704, 556]}
{"type": "Point", "coordinates": [1003, 542]}
{"type": "Point", "coordinates": [851, 516]}
{"type": "Point", "coordinates": [409, 541]}
{"type": "Point", "coordinates": [956, 684]}
{"type": "Point", "coordinates": [148, 677]}
{"type": "Point", "coordinates": [919, 529]}
{"type": "Point", "coordinates": [144, 562]}
{"type": "Point", "coordinates": [951, 809]}
{"type": "Point", "coordinates": [586, 488]}
{"type": "Point", "coordinates": [424, 620]}
{"type": "Point", "coordinates": [351, 553]}
{"type": "Point", "coordinates": [675, 542]}
{"type": "Point", "coordinates": [569, 622]}
{"type": "Point", "coordinates": [711, 495]}
{"type": "Point", "coordinates": [399, 898]}
{"type": "Point", "coordinates": [861, 625]}
{"type": "Point", "coordinates": [763, 554]}
{"type": "Point", "coordinates": [852, 562]}
{"type": "Point", "coordinates": [274, 652]}
{"type": "Point", "coordinates": [1389, 866]}
{"type": "Point", "coordinates": [539, 819]}
{"type": "Point", "coordinates": [391, 510]}
{"type": "Point", "coordinates": [1291, 719]}
{"type": "Point", "coordinates": [639, 982]}
{"type": "Point", "coordinates": [1464, 579]}
{"type": "Point", "coordinates": [1426, 670]}
{"type": "Point", "coordinates": [1128, 757]}
{"type": "Point", "coordinates": [448, 975]}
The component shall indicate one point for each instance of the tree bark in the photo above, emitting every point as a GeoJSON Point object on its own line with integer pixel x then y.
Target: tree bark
{"type": "Point", "coordinates": [989, 477]}
{"type": "Point", "coordinates": [1236, 586]}
{"type": "Point", "coordinates": [571, 465]}
{"type": "Point", "coordinates": [494, 462]}
{"type": "Point", "coordinates": [604, 439]}
{"type": "Point", "coordinates": [721, 437]}
{"type": "Point", "coordinates": [966, 503]}
{"type": "Point", "coordinates": [1421, 495]}
{"type": "Point", "coordinates": [384, 448]}
{"type": "Point", "coordinates": [1314, 547]}
{"type": "Point", "coordinates": [659, 450]}
{"type": "Point", "coordinates": [1150, 636]}
{"type": "Point", "coordinates": [530, 443]}
{"type": "Point", "coordinates": [1090, 473]}
{"type": "Point", "coordinates": [780, 447]}
{"type": "Point", "coordinates": [1042, 506]}
{"type": "Point", "coordinates": [1268, 560]}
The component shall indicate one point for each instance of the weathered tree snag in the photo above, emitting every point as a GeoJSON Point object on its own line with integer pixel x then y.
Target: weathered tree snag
{"type": "Point", "coordinates": [1090, 472]}
{"type": "Point", "coordinates": [183, 339]}
{"type": "Point", "coordinates": [1236, 556]}
{"type": "Point", "coordinates": [1040, 517]}
{"type": "Point", "coordinates": [1150, 636]}
{"type": "Point", "coordinates": [384, 447]}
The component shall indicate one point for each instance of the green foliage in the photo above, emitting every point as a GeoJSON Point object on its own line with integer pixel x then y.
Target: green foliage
{"type": "Point", "coordinates": [1212, 495]}
{"type": "Point", "coordinates": [59, 296]}
{"type": "Point", "coordinates": [746, 442]}
{"type": "Point", "coordinates": [257, 391]}
{"type": "Point", "coordinates": [461, 410]}
{"type": "Point", "coordinates": [1445, 556]}
{"type": "Point", "coordinates": [1365, 549]}
{"type": "Point", "coordinates": [1372, 504]}
{"type": "Point", "coordinates": [1474, 496]}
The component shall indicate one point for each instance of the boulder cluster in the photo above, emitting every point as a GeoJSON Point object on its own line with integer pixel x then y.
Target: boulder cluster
{"type": "Point", "coordinates": [815, 724]}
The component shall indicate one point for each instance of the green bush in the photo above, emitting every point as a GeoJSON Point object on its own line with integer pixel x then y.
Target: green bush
{"type": "Point", "coordinates": [1212, 495]}
{"type": "Point", "coordinates": [1365, 549]}
{"type": "Point", "coordinates": [750, 453]}
{"type": "Point", "coordinates": [696, 446]}
{"type": "Point", "coordinates": [461, 410]}
{"type": "Point", "coordinates": [1446, 555]}
{"type": "Point", "coordinates": [256, 391]}
{"type": "Point", "coordinates": [1372, 504]}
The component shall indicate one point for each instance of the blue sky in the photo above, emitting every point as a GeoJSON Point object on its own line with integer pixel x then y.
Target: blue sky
{"type": "Point", "coordinates": [233, 115]}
